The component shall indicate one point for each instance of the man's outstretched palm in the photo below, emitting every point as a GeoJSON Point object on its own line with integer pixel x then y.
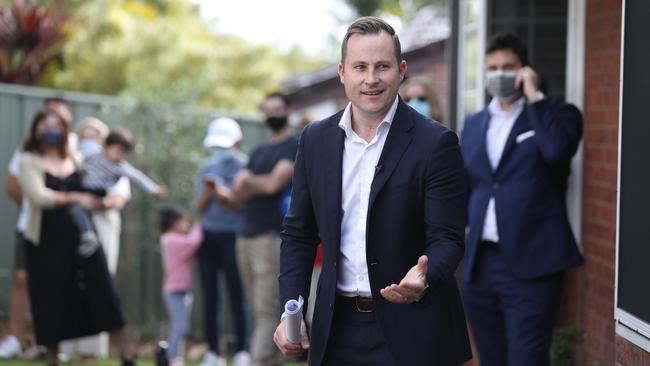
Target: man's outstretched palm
{"type": "Point", "coordinates": [411, 288]}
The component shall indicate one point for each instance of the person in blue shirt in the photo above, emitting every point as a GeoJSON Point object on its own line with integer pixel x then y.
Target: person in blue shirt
{"type": "Point", "coordinates": [220, 227]}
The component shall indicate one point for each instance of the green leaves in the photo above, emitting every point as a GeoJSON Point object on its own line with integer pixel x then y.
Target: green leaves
{"type": "Point", "coordinates": [163, 51]}
{"type": "Point", "coordinates": [31, 34]}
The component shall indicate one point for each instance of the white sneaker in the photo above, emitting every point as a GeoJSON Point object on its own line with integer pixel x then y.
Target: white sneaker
{"type": "Point", "coordinates": [10, 347]}
{"type": "Point", "coordinates": [212, 359]}
{"type": "Point", "coordinates": [241, 358]}
{"type": "Point", "coordinates": [178, 361]}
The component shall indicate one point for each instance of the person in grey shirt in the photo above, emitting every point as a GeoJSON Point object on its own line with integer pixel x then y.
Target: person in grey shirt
{"type": "Point", "coordinates": [102, 171]}
{"type": "Point", "coordinates": [220, 227]}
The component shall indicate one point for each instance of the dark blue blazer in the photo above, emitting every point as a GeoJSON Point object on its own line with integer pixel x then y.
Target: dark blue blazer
{"type": "Point", "coordinates": [529, 187]}
{"type": "Point", "coordinates": [417, 206]}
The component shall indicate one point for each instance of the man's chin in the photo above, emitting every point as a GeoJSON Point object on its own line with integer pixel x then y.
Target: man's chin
{"type": "Point", "coordinates": [370, 113]}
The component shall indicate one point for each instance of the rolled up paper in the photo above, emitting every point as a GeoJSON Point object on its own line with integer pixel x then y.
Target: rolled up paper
{"type": "Point", "coordinates": [293, 319]}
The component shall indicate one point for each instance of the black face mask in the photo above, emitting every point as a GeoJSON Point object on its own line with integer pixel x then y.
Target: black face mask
{"type": "Point", "coordinates": [277, 123]}
{"type": "Point", "coordinates": [50, 138]}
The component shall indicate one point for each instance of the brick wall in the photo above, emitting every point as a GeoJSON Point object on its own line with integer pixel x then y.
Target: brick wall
{"type": "Point", "coordinates": [590, 294]}
{"type": "Point", "coordinates": [627, 354]}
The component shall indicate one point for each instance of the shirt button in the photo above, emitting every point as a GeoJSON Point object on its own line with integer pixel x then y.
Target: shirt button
{"type": "Point", "coordinates": [360, 278]}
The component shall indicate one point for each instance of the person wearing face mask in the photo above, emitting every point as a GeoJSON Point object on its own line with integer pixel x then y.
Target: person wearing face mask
{"type": "Point", "coordinates": [517, 155]}
{"type": "Point", "coordinates": [11, 344]}
{"type": "Point", "coordinates": [71, 296]}
{"type": "Point", "coordinates": [259, 189]}
{"type": "Point", "coordinates": [418, 92]}
{"type": "Point", "coordinates": [92, 133]}
{"type": "Point", "coordinates": [216, 255]}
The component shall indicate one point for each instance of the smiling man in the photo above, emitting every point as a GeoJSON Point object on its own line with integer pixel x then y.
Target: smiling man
{"type": "Point", "coordinates": [383, 188]}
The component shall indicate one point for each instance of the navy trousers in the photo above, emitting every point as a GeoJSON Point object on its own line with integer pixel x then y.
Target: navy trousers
{"type": "Point", "coordinates": [216, 254]}
{"type": "Point", "coordinates": [512, 319]}
{"type": "Point", "coordinates": [356, 339]}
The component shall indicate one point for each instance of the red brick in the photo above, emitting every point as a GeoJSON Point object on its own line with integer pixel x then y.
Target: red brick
{"type": "Point", "coordinates": [601, 115]}
{"type": "Point", "coordinates": [628, 353]}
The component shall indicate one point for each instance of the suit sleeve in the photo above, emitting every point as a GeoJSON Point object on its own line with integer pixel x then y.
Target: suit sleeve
{"type": "Point", "coordinates": [463, 138]}
{"type": "Point", "coordinates": [299, 234]}
{"type": "Point", "coordinates": [445, 210]}
{"type": "Point", "coordinates": [558, 129]}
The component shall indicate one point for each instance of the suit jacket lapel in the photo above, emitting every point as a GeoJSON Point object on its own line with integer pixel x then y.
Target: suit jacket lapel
{"type": "Point", "coordinates": [397, 141]}
{"type": "Point", "coordinates": [333, 144]}
{"type": "Point", "coordinates": [484, 163]}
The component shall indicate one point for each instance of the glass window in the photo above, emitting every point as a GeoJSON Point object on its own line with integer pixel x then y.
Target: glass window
{"type": "Point", "coordinates": [470, 70]}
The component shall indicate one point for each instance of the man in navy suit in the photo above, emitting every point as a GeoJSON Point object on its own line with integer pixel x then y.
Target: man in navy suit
{"type": "Point", "coordinates": [517, 154]}
{"type": "Point", "coordinates": [384, 188]}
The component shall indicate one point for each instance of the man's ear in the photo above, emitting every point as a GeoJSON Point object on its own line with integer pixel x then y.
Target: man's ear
{"type": "Point", "coordinates": [402, 69]}
{"type": "Point", "coordinates": [341, 76]}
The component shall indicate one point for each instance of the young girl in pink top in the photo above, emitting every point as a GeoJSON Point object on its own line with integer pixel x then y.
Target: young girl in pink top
{"type": "Point", "coordinates": [178, 247]}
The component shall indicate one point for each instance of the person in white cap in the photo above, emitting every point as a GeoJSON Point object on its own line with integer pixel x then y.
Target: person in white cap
{"type": "Point", "coordinates": [217, 252]}
{"type": "Point", "coordinates": [262, 189]}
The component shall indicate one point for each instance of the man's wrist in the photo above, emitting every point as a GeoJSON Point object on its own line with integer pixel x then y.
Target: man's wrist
{"type": "Point", "coordinates": [424, 291]}
{"type": "Point", "coordinates": [537, 97]}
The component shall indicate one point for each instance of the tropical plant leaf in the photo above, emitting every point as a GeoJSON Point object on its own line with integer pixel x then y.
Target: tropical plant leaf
{"type": "Point", "coordinates": [31, 35]}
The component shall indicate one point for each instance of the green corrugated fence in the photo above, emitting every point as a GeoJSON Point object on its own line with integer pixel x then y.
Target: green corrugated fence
{"type": "Point", "coordinates": [168, 148]}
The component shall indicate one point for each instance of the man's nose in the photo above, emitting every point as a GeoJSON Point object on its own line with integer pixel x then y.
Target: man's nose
{"type": "Point", "coordinates": [372, 76]}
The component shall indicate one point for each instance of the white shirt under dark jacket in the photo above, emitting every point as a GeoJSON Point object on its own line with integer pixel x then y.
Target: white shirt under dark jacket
{"type": "Point", "coordinates": [360, 159]}
{"type": "Point", "coordinates": [501, 123]}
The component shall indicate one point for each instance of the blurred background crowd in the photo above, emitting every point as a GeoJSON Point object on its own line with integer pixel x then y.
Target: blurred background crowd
{"type": "Point", "coordinates": [186, 85]}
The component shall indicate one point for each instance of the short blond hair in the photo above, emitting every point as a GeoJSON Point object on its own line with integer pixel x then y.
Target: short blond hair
{"type": "Point", "coordinates": [94, 123]}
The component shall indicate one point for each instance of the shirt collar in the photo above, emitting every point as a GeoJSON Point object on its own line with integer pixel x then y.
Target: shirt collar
{"type": "Point", "coordinates": [495, 108]}
{"type": "Point", "coordinates": [346, 121]}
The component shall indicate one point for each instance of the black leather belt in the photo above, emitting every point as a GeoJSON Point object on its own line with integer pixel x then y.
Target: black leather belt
{"type": "Point", "coordinates": [360, 303]}
{"type": "Point", "coordinates": [488, 242]}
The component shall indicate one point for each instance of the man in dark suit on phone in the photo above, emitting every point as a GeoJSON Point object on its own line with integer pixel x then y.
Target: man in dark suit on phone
{"type": "Point", "coordinates": [517, 155]}
{"type": "Point", "coordinates": [384, 188]}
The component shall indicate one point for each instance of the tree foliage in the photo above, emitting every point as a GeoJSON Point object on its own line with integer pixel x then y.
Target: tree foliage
{"type": "Point", "coordinates": [31, 35]}
{"type": "Point", "coordinates": [162, 50]}
{"type": "Point", "coordinates": [404, 9]}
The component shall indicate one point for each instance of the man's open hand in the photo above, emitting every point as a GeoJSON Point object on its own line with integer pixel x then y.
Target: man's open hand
{"type": "Point", "coordinates": [411, 288]}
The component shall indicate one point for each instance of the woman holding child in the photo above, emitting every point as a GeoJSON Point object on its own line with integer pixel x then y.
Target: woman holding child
{"type": "Point", "coordinates": [72, 295]}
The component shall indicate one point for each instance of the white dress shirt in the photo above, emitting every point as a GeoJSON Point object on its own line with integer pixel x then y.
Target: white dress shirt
{"type": "Point", "coordinates": [14, 166]}
{"type": "Point", "coordinates": [501, 123]}
{"type": "Point", "coordinates": [359, 161]}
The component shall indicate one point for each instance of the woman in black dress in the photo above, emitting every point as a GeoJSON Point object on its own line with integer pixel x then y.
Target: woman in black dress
{"type": "Point", "coordinates": [71, 296]}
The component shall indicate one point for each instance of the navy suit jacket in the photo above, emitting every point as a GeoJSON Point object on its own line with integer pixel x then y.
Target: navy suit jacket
{"type": "Point", "coordinates": [417, 206]}
{"type": "Point", "coordinates": [529, 188]}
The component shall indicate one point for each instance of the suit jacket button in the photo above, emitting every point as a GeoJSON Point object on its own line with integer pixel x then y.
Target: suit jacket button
{"type": "Point", "coordinates": [331, 307]}
{"type": "Point", "coordinates": [495, 185]}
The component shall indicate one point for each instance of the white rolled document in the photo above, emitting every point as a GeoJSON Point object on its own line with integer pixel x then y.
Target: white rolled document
{"type": "Point", "coordinates": [293, 319]}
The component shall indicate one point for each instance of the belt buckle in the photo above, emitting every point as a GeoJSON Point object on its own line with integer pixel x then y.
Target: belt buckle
{"type": "Point", "coordinates": [356, 303]}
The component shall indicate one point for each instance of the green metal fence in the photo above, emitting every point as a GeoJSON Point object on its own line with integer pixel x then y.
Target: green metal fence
{"type": "Point", "coordinates": [168, 147]}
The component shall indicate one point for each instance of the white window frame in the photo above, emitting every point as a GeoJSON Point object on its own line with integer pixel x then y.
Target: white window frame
{"type": "Point", "coordinates": [480, 27]}
{"type": "Point", "coordinates": [575, 94]}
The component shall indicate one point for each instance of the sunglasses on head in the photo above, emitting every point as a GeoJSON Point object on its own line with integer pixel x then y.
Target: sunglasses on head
{"type": "Point", "coordinates": [421, 99]}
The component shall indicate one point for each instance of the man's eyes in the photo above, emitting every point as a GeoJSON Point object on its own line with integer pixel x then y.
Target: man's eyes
{"type": "Point", "coordinates": [379, 67]}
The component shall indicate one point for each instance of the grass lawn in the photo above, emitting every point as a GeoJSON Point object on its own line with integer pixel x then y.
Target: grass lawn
{"type": "Point", "coordinates": [141, 362]}
{"type": "Point", "coordinates": [78, 363]}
